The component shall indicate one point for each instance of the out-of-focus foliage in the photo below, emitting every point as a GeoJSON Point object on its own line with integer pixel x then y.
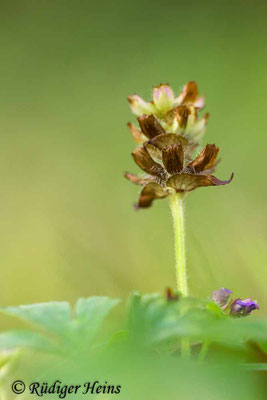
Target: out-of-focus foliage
{"type": "Point", "coordinates": [83, 345]}
{"type": "Point", "coordinates": [151, 321]}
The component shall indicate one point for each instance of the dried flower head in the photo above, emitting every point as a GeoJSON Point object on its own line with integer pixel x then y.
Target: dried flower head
{"type": "Point", "coordinates": [221, 297]}
{"type": "Point", "coordinates": [242, 308]}
{"type": "Point", "coordinates": [173, 114]}
{"type": "Point", "coordinates": [170, 170]}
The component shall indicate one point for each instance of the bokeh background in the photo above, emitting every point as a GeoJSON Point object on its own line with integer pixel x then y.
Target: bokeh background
{"type": "Point", "coordinates": [68, 228]}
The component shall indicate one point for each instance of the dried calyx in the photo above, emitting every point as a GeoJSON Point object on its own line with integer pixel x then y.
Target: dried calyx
{"type": "Point", "coordinates": [166, 160]}
{"type": "Point", "coordinates": [221, 297]}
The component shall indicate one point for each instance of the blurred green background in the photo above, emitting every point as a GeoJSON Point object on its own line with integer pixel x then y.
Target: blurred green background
{"type": "Point", "coordinates": [68, 228]}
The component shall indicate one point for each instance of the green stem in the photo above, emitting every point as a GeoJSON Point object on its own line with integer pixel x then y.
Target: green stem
{"type": "Point", "coordinates": [177, 209]}
{"type": "Point", "coordinates": [203, 351]}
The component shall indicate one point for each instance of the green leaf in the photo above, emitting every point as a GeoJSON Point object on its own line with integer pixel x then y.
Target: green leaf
{"type": "Point", "coordinates": [148, 315]}
{"type": "Point", "coordinates": [90, 314]}
{"type": "Point", "coordinates": [215, 309]}
{"type": "Point", "coordinates": [25, 339]}
{"type": "Point", "coordinates": [54, 317]}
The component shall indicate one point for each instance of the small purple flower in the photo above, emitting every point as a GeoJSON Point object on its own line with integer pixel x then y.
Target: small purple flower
{"type": "Point", "coordinates": [242, 308]}
{"type": "Point", "coordinates": [221, 296]}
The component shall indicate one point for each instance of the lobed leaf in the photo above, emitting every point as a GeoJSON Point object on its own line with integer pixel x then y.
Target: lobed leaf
{"type": "Point", "coordinates": [54, 317]}
{"type": "Point", "coordinates": [25, 339]}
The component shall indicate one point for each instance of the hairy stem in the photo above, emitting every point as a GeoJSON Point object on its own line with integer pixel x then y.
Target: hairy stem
{"type": "Point", "coordinates": [177, 209]}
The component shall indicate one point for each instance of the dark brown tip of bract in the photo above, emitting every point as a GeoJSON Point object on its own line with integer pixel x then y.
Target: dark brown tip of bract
{"type": "Point", "coordinates": [170, 295]}
{"type": "Point", "coordinates": [231, 177]}
{"type": "Point", "coordinates": [161, 84]}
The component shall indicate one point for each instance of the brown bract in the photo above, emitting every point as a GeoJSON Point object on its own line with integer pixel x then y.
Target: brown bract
{"type": "Point", "coordinates": [189, 95]}
{"type": "Point", "coordinates": [164, 159]}
{"type": "Point", "coordinates": [149, 128]}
